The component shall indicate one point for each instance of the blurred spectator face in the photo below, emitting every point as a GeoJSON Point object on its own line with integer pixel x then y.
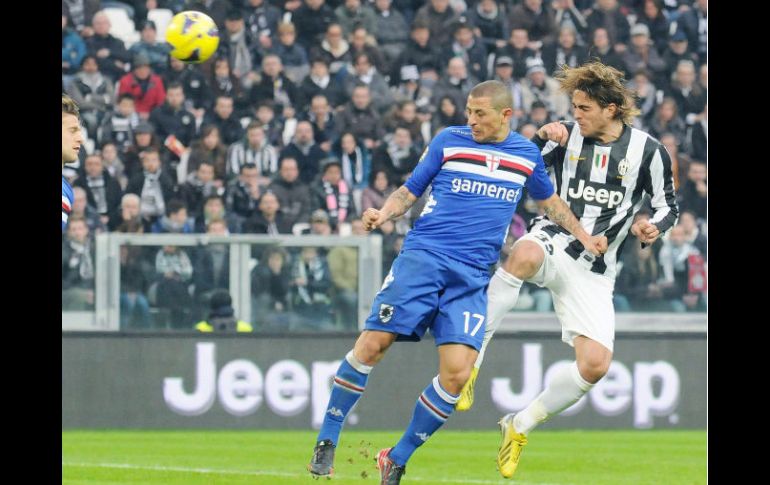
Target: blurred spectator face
{"type": "Point", "coordinates": [224, 107]}
{"type": "Point", "coordinates": [79, 200]}
{"type": "Point", "coordinates": [539, 114]}
{"type": "Point", "coordinates": [78, 231]}
{"type": "Point", "coordinates": [217, 228]}
{"type": "Point", "coordinates": [334, 35]}
{"type": "Point", "coordinates": [361, 97]}
{"type": "Point", "coordinates": [640, 41]}
{"type": "Point", "coordinates": [265, 114]}
{"type": "Point", "coordinates": [352, 5]}
{"type": "Point", "coordinates": [640, 79]}
{"type": "Point", "coordinates": [358, 38]}
{"type": "Point", "coordinates": [488, 6]}
{"type": "Point", "coordinates": [272, 66]}
{"type": "Point", "coordinates": [381, 181]}
{"type": "Point", "coordinates": [667, 110]}
{"type": "Point", "coordinates": [101, 24]}
{"type": "Point", "coordinates": [314, 4]}
{"type": "Point", "coordinates": [382, 5]}
{"type": "Point", "coordinates": [169, 249]}
{"type": "Point", "coordinates": [255, 3]}
{"type": "Point", "coordinates": [142, 72]}
{"type": "Point", "coordinates": [179, 217]}
{"type": "Point", "coordinates": [151, 162]}
{"type": "Point", "coordinates": [607, 5]}
{"type": "Point", "coordinates": [320, 227]}
{"type": "Point", "coordinates": [289, 170]}
{"type": "Point", "coordinates": [129, 207]}
{"type": "Point", "coordinates": [249, 176]}
{"type": "Point", "coordinates": [650, 9]}
{"type": "Point", "coordinates": [697, 172]}
{"type": "Point", "coordinates": [176, 64]}
{"type": "Point", "coordinates": [456, 68]}
{"type": "Point", "coordinates": [669, 141]}
{"type": "Point", "coordinates": [304, 133]}
{"type": "Point", "coordinates": [275, 262]}
{"type": "Point", "coordinates": [309, 254]}
{"type": "Point", "coordinates": [362, 65]}
{"type": "Point", "coordinates": [212, 208]}
{"type": "Point", "coordinates": [408, 112]}
{"type": "Point", "coordinates": [126, 107]}
{"type": "Point", "coordinates": [149, 34]}
{"type": "Point", "coordinates": [448, 107]}
{"type": "Point", "coordinates": [357, 228]}
{"type": "Point", "coordinates": [601, 38]}
{"type": "Point", "coordinates": [685, 73]}
{"type": "Point", "coordinates": [94, 166]}
{"type": "Point", "coordinates": [319, 106]}
{"type": "Point", "coordinates": [519, 38]}
{"type": "Point", "coordinates": [533, 4]}
{"type": "Point", "coordinates": [567, 37]}
{"type": "Point", "coordinates": [439, 6]}
{"type": "Point", "coordinates": [287, 36]}
{"type": "Point", "coordinates": [678, 47]}
{"type": "Point", "coordinates": [528, 131]}
{"type": "Point", "coordinates": [143, 139]}
{"type": "Point", "coordinates": [537, 77]}
{"type": "Point", "coordinates": [421, 36]}
{"type": "Point", "coordinates": [211, 140]}
{"type": "Point", "coordinates": [504, 72]}
{"type": "Point", "coordinates": [332, 174]}
{"type": "Point", "coordinates": [677, 236]}
{"type": "Point", "coordinates": [268, 204]}
{"type": "Point", "coordinates": [234, 26]}
{"type": "Point", "coordinates": [109, 152]}
{"type": "Point", "coordinates": [205, 172]}
{"type": "Point", "coordinates": [402, 138]}
{"type": "Point", "coordinates": [222, 68]}
{"type": "Point", "coordinates": [687, 221]}
{"type": "Point", "coordinates": [348, 143]}
{"type": "Point", "coordinates": [89, 65]}
{"type": "Point", "coordinates": [175, 97]}
{"type": "Point", "coordinates": [319, 69]}
{"type": "Point", "coordinates": [464, 36]}
{"type": "Point", "coordinates": [256, 136]}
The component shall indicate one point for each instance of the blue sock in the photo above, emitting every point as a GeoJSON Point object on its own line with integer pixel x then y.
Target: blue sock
{"type": "Point", "coordinates": [349, 383]}
{"type": "Point", "coordinates": [433, 408]}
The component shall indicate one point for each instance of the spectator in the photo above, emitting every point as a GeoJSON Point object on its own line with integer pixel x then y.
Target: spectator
{"type": "Point", "coordinates": [146, 88]}
{"type": "Point", "coordinates": [448, 114]}
{"type": "Point", "coordinates": [439, 17]}
{"type": "Point", "coordinates": [73, 49]}
{"type": "Point", "coordinates": [333, 49]}
{"type": "Point", "coordinates": [144, 138]}
{"type": "Point", "coordinates": [646, 98]}
{"type": "Point", "coordinates": [197, 91]}
{"type": "Point", "coordinates": [261, 23]}
{"type": "Point", "coordinates": [175, 221]}
{"type": "Point", "coordinates": [305, 151]}
{"type": "Point", "coordinates": [156, 52]}
{"type": "Point", "coordinates": [211, 266]}
{"type": "Point", "coordinates": [197, 188]}
{"type": "Point", "coordinates": [224, 118]}
{"type": "Point", "coordinates": [323, 121]}
{"type": "Point", "coordinates": [173, 270]}
{"type": "Point", "coordinates": [365, 74]}
{"type": "Point", "coordinates": [378, 190]}
{"type": "Point", "coordinates": [102, 190]}
{"type": "Point", "coordinates": [319, 82]}
{"type": "Point", "coordinates": [538, 115]}
{"type": "Point", "coordinates": [93, 93]}
{"type": "Point", "coordinates": [216, 9]}
{"type": "Point", "coordinates": [607, 15]}
{"type": "Point", "coordinates": [274, 85]}
{"type": "Point", "coordinates": [680, 161]}
{"type": "Point", "coordinates": [651, 14]}
{"type": "Point", "coordinates": [242, 195]}
{"type": "Point", "coordinates": [134, 282]}
{"type": "Point", "coordinates": [355, 162]}
{"type": "Point", "coordinates": [270, 284]}
{"type": "Point", "coordinates": [81, 14]}
{"type": "Point", "coordinates": [174, 125]}
{"type": "Point", "coordinates": [404, 113]}
{"type": "Point", "coordinates": [564, 51]}
{"type": "Point", "coordinates": [637, 287]}
{"type": "Point", "coordinates": [130, 209]}
{"type": "Point", "coordinates": [110, 52]}
{"type": "Point", "coordinates": [223, 82]}
{"type": "Point", "coordinates": [343, 264]}
{"type": "Point", "coordinates": [697, 135]}
{"type": "Point", "coordinates": [536, 19]}
{"type": "Point", "coordinates": [504, 74]}
{"type": "Point", "coordinates": [692, 194]}
{"type": "Point", "coordinates": [692, 232]}
{"type": "Point", "coordinates": [690, 97]}
{"type": "Point", "coordinates": [256, 150]}
{"type": "Point", "coordinates": [677, 50]}
{"type": "Point", "coordinates": [208, 147]}
{"type": "Point", "coordinates": [642, 54]}
{"type": "Point", "coordinates": [566, 14]}
{"type": "Point", "coordinates": [77, 267]}
{"type": "Point", "coordinates": [118, 126]}
{"type": "Point", "coordinates": [332, 194]}
{"type": "Point", "coordinates": [214, 209]}
{"type": "Point", "coordinates": [310, 284]}
{"type": "Point", "coordinates": [694, 22]}
{"type": "Point", "coordinates": [221, 316]}
{"type": "Point", "coordinates": [267, 219]}
{"type": "Point", "coordinates": [456, 82]}
{"type": "Point", "coordinates": [351, 14]}
{"type": "Point", "coordinates": [319, 224]}
{"type": "Point", "coordinates": [518, 51]}
{"type": "Point", "coordinates": [361, 42]}
{"type": "Point", "coordinates": [540, 87]}
{"type": "Point", "coordinates": [153, 186]}
{"type": "Point", "coordinates": [234, 46]}
{"type": "Point", "coordinates": [675, 259]}
{"type": "Point", "coordinates": [391, 31]}
{"type": "Point", "coordinates": [398, 155]}
{"type": "Point", "coordinates": [113, 164]}
{"type": "Point", "coordinates": [360, 118]}
{"type": "Point", "coordinates": [466, 46]}
{"type": "Point", "coordinates": [293, 195]}
{"type": "Point", "coordinates": [311, 21]}
{"type": "Point", "coordinates": [293, 56]}
{"type": "Point", "coordinates": [272, 125]}
{"type": "Point", "coordinates": [602, 49]}
{"type": "Point", "coordinates": [490, 24]}
{"type": "Point", "coordinates": [81, 208]}
{"type": "Point", "coordinates": [667, 119]}
{"type": "Point", "coordinates": [421, 51]}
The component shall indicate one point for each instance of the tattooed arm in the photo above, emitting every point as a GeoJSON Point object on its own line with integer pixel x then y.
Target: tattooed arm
{"type": "Point", "coordinates": [559, 212]}
{"type": "Point", "coordinates": [397, 204]}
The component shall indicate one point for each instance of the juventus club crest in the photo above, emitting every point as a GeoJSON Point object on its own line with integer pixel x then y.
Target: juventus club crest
{"type": "Point", "coordinates": [386, 312]}
{"type": "Point", "coordinates": [493, 161]}
{"type": "Point", "coordinates": [623, 167]}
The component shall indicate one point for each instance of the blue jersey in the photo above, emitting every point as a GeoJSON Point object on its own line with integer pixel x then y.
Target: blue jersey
{"type": "Point", "coordinates": [475, 189]}
{"type": "Point", "coordinates": [66, 202]}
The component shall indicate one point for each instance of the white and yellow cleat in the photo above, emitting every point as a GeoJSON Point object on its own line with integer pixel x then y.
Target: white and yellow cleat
{"type": "Point", "coordinates": [510, 448]}
{"type": "Point", "coordinates": [465, 401]}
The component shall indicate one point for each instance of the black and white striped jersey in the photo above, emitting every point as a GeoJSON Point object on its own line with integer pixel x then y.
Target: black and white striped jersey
{"type": "Point", "coordinates": [604, 185]}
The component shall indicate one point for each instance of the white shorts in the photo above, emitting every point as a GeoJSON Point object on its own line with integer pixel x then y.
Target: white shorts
{"type": "Point", "coordinates": [582, 299]}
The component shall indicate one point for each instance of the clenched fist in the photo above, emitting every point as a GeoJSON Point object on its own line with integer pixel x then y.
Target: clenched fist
{"type": "Point", "coordinates": [373, 218]}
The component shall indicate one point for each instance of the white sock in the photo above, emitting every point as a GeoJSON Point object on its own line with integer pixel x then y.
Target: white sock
{"type": "Point", "coordinates": [501, 298]}
{"type": "Point", "coordinates": [564, 390]}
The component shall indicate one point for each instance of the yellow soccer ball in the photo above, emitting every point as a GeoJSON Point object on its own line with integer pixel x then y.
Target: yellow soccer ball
{"type": "Point", "coordinates": [193, 36]}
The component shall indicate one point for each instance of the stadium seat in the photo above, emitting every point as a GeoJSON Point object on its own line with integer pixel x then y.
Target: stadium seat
{"type": "Point", "coordinates": [122, 26]}
{"type": "Point", "coordinates": [162, 17]}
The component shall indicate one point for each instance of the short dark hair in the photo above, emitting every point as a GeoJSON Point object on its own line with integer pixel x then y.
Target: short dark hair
{"type": "Point", "coordinates": [174, 206]}
{"type": "Point", "coordinates": [245, 166]}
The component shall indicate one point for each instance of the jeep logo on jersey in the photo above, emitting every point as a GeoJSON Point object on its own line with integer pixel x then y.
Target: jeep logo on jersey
{"type": "Point", "coordinates": [493, 161]}
{"type": "Point", "coordinates": [595, 193]}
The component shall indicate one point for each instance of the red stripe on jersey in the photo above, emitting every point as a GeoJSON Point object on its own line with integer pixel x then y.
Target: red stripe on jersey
{"type": "Point", "coordinates": [482, 158]}
{"type": "Point", "coordinates": [65, 207]}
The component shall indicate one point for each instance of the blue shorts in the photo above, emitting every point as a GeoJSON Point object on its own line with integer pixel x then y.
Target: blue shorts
{"type": "Point", "coordinates": [425, 290]}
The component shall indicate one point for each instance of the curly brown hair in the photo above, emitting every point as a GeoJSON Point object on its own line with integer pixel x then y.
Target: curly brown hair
{"type": "Point", "coordinates": [603, 84]}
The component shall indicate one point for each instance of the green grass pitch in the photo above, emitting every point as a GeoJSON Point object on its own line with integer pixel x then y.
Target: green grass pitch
{"type": "Point", "coordinates": [450, 457]}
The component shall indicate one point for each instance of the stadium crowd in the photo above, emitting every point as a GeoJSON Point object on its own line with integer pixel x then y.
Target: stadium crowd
{"type": "Point", "coordinates": [312, 111]}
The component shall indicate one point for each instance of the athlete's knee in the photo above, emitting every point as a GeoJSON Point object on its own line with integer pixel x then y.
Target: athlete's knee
{"type": "Point", "coordinates": [371, 346]}
{"type": "Point", "coordinates": [453, 380]}
{"type": "Point", "coordinates": [594, 366]}
{"type": "Point", "coordinates": [525, 260]}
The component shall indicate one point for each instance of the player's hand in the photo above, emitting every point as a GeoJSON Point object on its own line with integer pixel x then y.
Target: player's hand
{"type": "Point", "coordinates": [373, 218]}
{"type": "Point", "coordinates": [646, 233]}
{"type": "Point", "coordinates": [597, 245]}
{"type": "Point", "coordinates": [554, 132]}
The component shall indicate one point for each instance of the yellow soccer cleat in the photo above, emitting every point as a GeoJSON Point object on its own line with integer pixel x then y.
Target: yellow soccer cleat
{"type": "Point", "coordinates": [465, 401]}
{"type": "Point", "coordinates": [510, 448]}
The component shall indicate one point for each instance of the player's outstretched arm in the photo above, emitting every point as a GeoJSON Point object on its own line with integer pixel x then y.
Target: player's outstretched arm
{"type": "Point", "coordinates": [559, 212]}
{"type": "Point", "coordinates": [395, 206]}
